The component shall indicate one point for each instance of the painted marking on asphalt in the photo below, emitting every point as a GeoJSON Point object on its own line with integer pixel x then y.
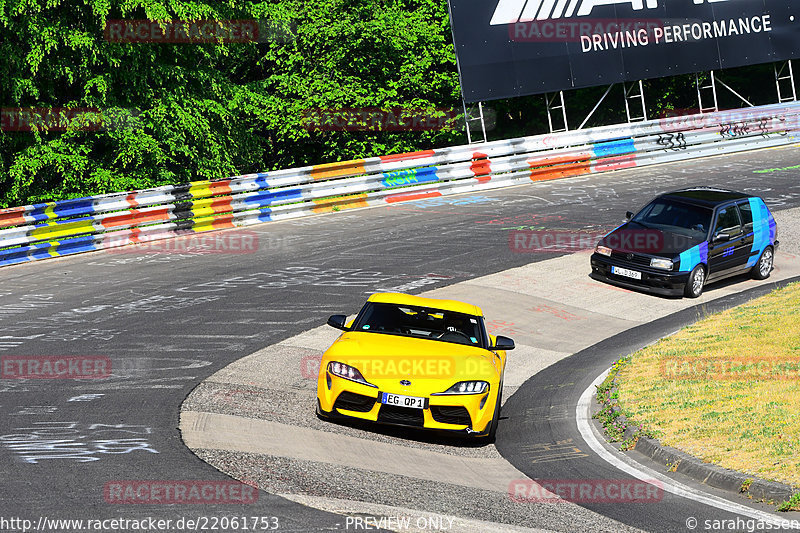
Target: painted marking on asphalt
{"type": "Point", "coordinates": [553, 451]}
{"type": "Point", "coordinates": [75, 441]}
{"type": "Point", "coordinates": [85, 397]}
{"type": "Point", "coordinates": [629, 466]}
{"type": "Point", "coordinates": [555, 311]}
{"type": "Point", "coordinates": [8, 345]}
{"type": "Point", "coordinates": [36, 410]}
{"type": "Point", "coordinates": [551, 412]}
{"type": "Point", "coordinates": [769, 170]}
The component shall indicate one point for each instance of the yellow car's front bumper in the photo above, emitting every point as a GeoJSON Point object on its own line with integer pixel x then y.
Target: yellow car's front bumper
{"type": "Point", "coordinates": [466, 413]}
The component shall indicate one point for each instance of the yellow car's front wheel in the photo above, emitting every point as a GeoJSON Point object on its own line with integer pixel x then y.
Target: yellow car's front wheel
{"type": "Point", "coordinates": [496, 417]}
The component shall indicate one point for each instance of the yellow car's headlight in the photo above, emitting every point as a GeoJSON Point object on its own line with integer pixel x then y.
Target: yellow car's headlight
{"type": "Point", "coordinates": [465, 387]}
{"type": "Point", "coordinates": [347, 372]}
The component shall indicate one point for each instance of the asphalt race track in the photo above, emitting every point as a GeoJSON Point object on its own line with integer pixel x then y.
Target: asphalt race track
{"type": "Point", "coordinates": [166, 320]}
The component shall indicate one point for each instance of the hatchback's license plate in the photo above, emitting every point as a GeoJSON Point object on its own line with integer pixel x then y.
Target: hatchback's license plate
{"type": "Point", "coordinates": [625, 272]}
{"type": "Point", "coordinates": [414, 402]}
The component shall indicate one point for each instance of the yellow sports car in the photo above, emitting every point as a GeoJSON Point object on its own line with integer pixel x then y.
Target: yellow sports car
{"type": "Point", "coordinates": [412, 361]}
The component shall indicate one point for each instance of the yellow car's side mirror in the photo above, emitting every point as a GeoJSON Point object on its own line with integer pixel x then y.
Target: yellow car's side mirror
{"type": "Point", "coordinates": [338, 322]}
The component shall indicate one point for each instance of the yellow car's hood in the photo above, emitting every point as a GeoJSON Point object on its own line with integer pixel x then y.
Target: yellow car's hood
{"type": "Point", "coordinates": [431, 365]}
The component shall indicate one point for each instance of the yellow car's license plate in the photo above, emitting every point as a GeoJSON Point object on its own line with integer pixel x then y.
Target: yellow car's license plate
{"type": "Point", "coordinates": [414, 402]}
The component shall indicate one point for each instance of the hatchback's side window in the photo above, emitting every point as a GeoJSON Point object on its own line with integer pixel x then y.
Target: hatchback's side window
{"type": "Point", "coordinates": [728, 221]}
{"type": "Point", "coordinates": [747, 216]}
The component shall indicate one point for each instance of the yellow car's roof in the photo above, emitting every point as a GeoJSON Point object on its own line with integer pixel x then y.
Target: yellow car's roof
{"type": "Point", "coordinates": [434, 303]}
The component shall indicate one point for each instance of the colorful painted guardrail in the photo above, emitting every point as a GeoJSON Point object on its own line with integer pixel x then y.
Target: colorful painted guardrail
{"type": "Point", "coordinates": [66, 227]}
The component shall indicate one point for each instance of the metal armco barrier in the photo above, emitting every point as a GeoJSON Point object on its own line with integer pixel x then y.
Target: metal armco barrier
{"type": "Point", "coordinates": [67, 227]}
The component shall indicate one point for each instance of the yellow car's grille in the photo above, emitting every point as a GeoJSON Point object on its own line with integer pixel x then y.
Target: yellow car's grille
{"type": "Point", "coordinates": [351, 401]}
{"type": "Point", "coordinates": [389, 414]}
{"type": "Point", "coordinates": [451, 414]}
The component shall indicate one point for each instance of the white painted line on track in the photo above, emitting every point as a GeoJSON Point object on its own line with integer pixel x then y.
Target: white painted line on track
{"type": "Point", "coordinates": [622, 462]}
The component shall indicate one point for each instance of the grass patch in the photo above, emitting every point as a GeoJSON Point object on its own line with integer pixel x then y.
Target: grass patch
{"type": "Point", "coordinates": [609, 414]}
{"type": "Point", "coordinates": [615, 425]}
{"type": "Point", "coordinates": [725, 389]}
{"type": "Point", "coordinates": [792, 505]}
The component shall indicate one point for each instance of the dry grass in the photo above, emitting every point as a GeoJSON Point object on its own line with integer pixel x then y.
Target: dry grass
{"type": "Point", "coordinates": [732, 416]}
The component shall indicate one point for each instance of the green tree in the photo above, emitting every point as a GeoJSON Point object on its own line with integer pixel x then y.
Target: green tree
{"type": "Point", "coordinates": [185, 111]}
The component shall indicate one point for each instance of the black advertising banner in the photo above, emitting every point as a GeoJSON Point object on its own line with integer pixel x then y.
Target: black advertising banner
{"type": "Point", "coordinates": [508, 48]}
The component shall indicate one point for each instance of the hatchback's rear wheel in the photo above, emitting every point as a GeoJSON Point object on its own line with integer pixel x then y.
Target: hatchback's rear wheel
{"type": "Point", "coordinates": [763, 268]}
{"type": "Point", "coordinates": [694, 285]}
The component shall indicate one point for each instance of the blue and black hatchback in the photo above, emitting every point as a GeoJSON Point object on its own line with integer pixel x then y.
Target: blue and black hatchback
{"type": "Point", "coordinates": [684, 239]}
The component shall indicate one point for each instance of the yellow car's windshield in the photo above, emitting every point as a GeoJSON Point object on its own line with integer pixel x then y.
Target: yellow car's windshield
{"type": "Point", "coordinates": [421, 322]}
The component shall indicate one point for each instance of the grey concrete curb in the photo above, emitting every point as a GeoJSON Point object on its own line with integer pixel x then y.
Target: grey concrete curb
{"type": "Point", "coordinates": [713, 475]}
{"type": "Point", "coordinates": [709, 474]}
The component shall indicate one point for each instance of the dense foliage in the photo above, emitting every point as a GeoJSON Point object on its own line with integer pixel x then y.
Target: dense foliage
{"type": "Point", "coordinates": [193, 111]}
{"type": "Point", "coordinates": [179, 112]}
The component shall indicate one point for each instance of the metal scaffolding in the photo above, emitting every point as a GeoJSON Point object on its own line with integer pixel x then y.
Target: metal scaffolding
{"type": "Point", "coordinates": [471, 115]}
{"type": "Point", "coordinates": [558, 106]}
{"type": "Point", "coordinates": [631, 95]}
{"type": "Point", "coordinates": [636, 105]}
{"type": "Point", "coordinates": [784, 82]}
{"type": "Point", "coordinates": [711, 87]}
